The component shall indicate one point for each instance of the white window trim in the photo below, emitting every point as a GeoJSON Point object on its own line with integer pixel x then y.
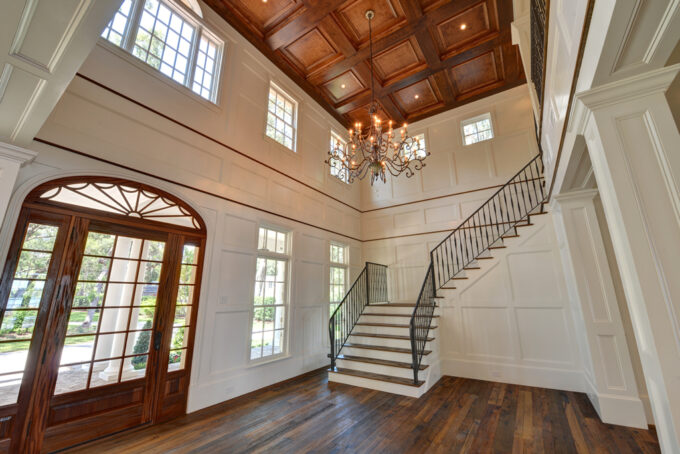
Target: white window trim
{"type": "Point", "coordinates": [345, 141]}
{"type": "Point", "coordinates": [263, 253]}
{"type": "Point", "coordinates": [296, 114]}
{"type": "Point", "coordinates": [472, 120]}
{"type": "Point", "coordinates": [125, 50]}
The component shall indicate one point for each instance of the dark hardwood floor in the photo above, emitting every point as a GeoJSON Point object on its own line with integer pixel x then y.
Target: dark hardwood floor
{"type": "Point", "coordinates": [308, 414]}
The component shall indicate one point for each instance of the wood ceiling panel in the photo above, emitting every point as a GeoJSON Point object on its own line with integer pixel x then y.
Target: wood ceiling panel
{"type": "Point", "coordinates": [419, 97]}
{"type": "Point", "coordinates": [420, 49]}
{"type": "Point", "coordinates": [351, 16]}
{"type": "Point", "coordinates": [477, 74]}
{"type": "Point", "coordinates": [264, 15]}
{"type": "Point", "coordinates": [463, 30]}
{"type": "Point", "coordinates": [312, 51]}
{"type": "Point", "coordinates": [344, 87]}
{"type": "Point", "coordinates": [398, 61]}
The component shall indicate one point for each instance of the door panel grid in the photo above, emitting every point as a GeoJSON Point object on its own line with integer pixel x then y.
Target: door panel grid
{"type": "Point", "coordinates": [112, 316]}
{"type": "Point", "coordinates": [21, 312]}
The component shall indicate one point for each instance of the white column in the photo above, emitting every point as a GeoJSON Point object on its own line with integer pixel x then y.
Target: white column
{"type": "Point", "coordinates": [609, 374]}
{"type": "Point", "coordinates": [11, 159]}
{"type": "Point", "coordinates": [634, 146]}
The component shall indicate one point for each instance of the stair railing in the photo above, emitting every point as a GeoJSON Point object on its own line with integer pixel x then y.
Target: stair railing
{"type": "Point", "coordinates": [368, 288]}
{"type": "Point", "coordinates": [505, 209]}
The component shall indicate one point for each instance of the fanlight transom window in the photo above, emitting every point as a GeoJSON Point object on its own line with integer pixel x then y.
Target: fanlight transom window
{"type": "Point", "coordinates": [123, 199]}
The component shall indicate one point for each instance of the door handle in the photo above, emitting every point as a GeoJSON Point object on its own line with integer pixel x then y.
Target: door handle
{"type": "Point", "coordinates": [157, 337]}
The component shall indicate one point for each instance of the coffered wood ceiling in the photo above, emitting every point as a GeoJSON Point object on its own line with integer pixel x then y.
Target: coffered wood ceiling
{"type": "Point", "coordinates": [430, 55]}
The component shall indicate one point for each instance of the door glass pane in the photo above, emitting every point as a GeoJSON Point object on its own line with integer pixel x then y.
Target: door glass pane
{"type": "Point", "coordinates": [179, 340]}
{"type": "Point", "coordinates": [18, 321]}
{"type": "Point", "coordinates": [122, 272]}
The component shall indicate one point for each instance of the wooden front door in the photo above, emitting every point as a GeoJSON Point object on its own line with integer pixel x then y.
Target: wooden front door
{"type": "Point", "coordinates": [96, 327]}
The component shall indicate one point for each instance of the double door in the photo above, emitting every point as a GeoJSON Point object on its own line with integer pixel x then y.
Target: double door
{"type": "Point", "coordinates": [96, 328]}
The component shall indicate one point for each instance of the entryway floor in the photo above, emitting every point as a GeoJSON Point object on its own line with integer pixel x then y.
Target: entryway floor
{"type": "Point", "coordinates": [308, 414]}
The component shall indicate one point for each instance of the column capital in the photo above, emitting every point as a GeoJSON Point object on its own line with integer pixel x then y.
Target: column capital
{"type": "Point", "coordinates": [582, 195]}
{"type": "Point", "coordinates": [21, 156]}
{"type": "Point", "coordinates": [624, 90]}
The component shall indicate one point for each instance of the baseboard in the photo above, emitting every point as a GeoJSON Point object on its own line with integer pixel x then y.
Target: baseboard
{"type": "Point", "coordinates": [541, 377]}
{"type": "Point", "coordinates": [622, 410]}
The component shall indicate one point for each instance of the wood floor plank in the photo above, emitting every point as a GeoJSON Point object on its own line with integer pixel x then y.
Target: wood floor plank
{"type": "Point", "coordinates": [310, 415]}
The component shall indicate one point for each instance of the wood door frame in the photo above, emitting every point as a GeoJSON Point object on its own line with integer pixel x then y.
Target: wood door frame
{"type": "Point", "coordinates": [37, 389]}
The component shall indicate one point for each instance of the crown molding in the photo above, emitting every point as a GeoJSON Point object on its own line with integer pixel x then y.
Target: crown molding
{"type": "Point", "coordinates": [16, 154]}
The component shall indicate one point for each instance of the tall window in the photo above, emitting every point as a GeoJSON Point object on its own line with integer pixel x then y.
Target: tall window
{"type": "Point", "coordinates": [336, 169]}
{"type": "Point", "coordinates": [338, 277]}
{"type": "Point", "coordinates": [281, 117]}
{"type": "Point", "coordinates": [270, 301]}
{"type": "Point", "coordinates": [169, 40]}
{"type": "Point", "coordinates": [477, 129]}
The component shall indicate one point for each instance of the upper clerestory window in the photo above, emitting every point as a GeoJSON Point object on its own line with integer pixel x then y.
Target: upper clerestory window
{"type": "Point", "coordinates": [167, 38]}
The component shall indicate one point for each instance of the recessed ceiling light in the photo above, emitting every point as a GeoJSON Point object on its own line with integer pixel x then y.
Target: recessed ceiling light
{"type": "Point", "coordinates": [342, 86]}
{"type": "Point", "coordinates": [462, 26]}
{"type": "Point", "coordinates": [417, 96]}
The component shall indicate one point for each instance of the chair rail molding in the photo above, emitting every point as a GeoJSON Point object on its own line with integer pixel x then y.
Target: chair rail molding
{"type": "Point", "coordinates": [12, 158]}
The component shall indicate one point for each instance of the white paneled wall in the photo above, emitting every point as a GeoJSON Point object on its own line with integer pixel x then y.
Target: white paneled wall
{"type": "Point", "coordinates": [511, 320]}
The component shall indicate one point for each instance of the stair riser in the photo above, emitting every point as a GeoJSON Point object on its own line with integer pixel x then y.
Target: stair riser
{"type": "Point", "coordinates": [367, 318]}
{"type": "Point", "coordinates": [386, 330]}
{"type": "Point", "coordinates": [387, 309]}
{"type": "Point", "coordinates": [398, 343]}
{"type": "Point", "coordinates": [380, 354]}
{"type": "Point", "coordinates": [381, 330]}
{"type": "Point", "coordinates": [376, 368]}
{"type": "Point", "coordinates": [375, 384]}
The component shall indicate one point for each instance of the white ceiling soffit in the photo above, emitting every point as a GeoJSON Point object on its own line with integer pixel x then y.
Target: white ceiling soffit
{"type": "Point", "coordinates": [42, 45]}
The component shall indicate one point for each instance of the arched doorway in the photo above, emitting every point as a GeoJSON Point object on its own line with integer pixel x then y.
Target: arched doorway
{"type": "Point", "coordinates": [98, 301]}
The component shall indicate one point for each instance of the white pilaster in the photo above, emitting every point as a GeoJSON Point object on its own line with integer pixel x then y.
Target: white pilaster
{"type": "Point", "coordinates": [634, 146]}
{"type": "Point", "coordinates": [609, 371]}
{"type": "Point", "coordinates": [11, 160]}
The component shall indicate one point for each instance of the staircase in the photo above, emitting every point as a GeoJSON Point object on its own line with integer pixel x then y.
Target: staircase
{"type": "Point", "coordinates": [393, 347]}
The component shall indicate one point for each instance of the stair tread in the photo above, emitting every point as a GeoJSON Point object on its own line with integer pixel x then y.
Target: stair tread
{"type": "Point", "coordinates": [510, 236]}
{"type": "Point", "coordinates": [379, 377]}
{"type": "Point", "coordinates": [385, 349]}
{"type": "Point", "coordinates": [397, 305]}
{"type": "Point", "coordinates": [381, 362]}
{"type": "Point", "coordinates": [377, 314]}
{"type": "Point", "coordinates": [387, 325]}
{"type": "Point", "coordinates": [388, 336]}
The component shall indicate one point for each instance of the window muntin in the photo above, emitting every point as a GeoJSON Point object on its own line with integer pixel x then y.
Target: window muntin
{"type": "Point", "coordinates": [339, 145]}
{"type": "Point", "coordinates": [477, 129]}
{"type": "Point", "coordinates": [164, 40]}
{"type": "Point", "coordinates": [111, 320]}
{"type": "Point", "coordinates": [204, 72]}
{"type": "Point", "coordinates": [21, 312]}
{"type": "Point", "coordinates": [270, 301]}
{"type": "Point", "coordinates": [281, 117]}
{"type": "Point", "coordinates": [122, 199]}
{"type": "Point", "coordinates": [169, 40]}
{"type": "Point", "coordinates": [338, 275]}
{"type": "Point", "coordinates": [179, 341]}
{"type": "Point", "coordinates": [116, 30]}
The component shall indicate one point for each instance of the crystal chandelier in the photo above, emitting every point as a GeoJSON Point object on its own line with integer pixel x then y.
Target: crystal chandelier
{"type": "Point", "coordinates": [375, 149]}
